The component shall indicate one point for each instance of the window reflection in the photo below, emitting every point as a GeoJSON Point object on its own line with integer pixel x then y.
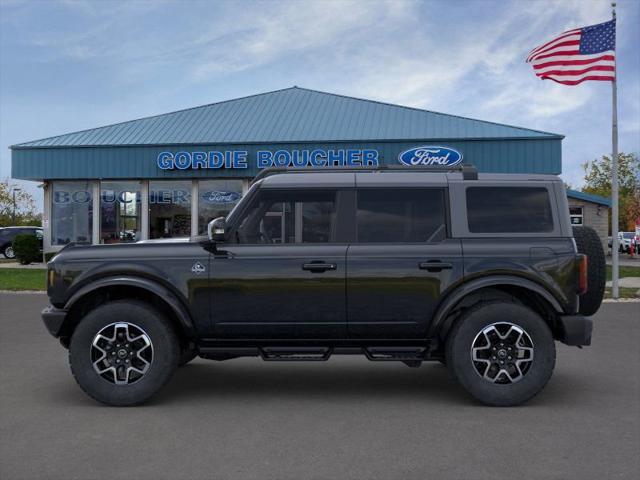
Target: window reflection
{"type": "Point", "coordinates": [119, 212]}
{"type": "Point", "coordinates": [216, 199]}
{"type": "Point", "coordinates": [71, 213]}
{"type": "Point", "coordinates": [169, 209]}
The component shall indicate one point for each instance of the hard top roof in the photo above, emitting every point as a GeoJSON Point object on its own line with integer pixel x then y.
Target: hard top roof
{"type": "Point", "coordinates": [383, 177]}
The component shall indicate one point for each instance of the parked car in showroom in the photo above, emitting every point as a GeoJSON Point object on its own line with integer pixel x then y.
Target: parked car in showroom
{"type": "Point", "coordinates": [7, 234]}
{"type": "Point", "coordinates": [483, 273]}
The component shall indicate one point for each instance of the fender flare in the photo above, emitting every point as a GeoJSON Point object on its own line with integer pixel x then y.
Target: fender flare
{"type": "Point", "coordinates": [444, 309]}
{"type": "Point", "coordinates": [167, 296]}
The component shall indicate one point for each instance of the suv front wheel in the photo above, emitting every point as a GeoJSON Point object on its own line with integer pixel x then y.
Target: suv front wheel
{"type": "Point", "coordinates": [502, 353]}
{"type": "Point", "coordinates": [123, 352]}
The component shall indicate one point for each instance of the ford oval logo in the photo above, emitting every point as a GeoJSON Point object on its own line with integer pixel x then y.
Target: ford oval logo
{"type": "Point", "coordinates": [220, 197]}
{"type": "Point", "coordinates": [430, 156]}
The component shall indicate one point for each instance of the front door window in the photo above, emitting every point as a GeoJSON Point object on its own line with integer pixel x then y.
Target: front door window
{"type": "Point", "coordinates": [289, 217]}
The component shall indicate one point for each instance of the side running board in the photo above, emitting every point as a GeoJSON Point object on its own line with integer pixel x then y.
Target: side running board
{"type": "Point", "coordinates": [284, 354]}
{"type": "Point", "coordinates": [395, 354]}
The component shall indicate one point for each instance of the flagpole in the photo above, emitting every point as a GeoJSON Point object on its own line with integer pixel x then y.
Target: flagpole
{"type": "Point", "coordinates": [614, 176]}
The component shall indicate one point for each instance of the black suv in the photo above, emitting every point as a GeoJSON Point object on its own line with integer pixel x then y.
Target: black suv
{"type": "Point", "coordinates": [480, 272]}
{"type": "Point", "coordinates": [8, 234]}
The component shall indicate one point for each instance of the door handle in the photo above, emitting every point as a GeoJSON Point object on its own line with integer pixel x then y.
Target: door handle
{"type": "Point", "coordinates": [319, 267]}
{"type": "Point", "coordinates": [434, 266]}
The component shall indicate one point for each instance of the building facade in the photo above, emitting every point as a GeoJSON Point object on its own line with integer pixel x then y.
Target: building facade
{"type": "Point", "coordinates": [590, 210]}
{"type": "Point", "coordinates": [169, 175]}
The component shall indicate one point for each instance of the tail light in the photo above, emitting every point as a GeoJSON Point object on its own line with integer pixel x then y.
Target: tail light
{"type": "Point", "coordinates": [582, 274]}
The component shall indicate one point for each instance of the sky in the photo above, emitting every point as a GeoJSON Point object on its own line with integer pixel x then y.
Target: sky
{"type": "Point", "coordinates": [72, 65]}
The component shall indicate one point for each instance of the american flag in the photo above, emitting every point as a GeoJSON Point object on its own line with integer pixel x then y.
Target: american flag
{"type": "Point", "coordinates": [587, 53]}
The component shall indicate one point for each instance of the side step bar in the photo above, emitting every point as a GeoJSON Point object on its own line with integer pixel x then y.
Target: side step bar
{"type": "Point", "coordinates": [395, 354]}
{"type": "Point", "coordinates": [411, 354]}
{"type": "Point", "coordinates": [289, 354]}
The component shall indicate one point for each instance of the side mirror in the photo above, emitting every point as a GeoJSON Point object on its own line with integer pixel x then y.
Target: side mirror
{"type": "Point", "coordinates": [216, 229]}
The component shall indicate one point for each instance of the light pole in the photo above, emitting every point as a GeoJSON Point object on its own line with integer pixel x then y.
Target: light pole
{"type": "Point", "coordinates": [14, 203]}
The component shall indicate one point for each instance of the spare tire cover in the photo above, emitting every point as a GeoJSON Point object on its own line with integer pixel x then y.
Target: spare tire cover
{"type": "Point", "coordinates": [588, 243]}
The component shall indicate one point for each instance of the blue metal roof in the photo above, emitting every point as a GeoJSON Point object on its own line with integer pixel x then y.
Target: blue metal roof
{"type": "Point", "coordinates": [589, 197]}
{"type": "Point", "coordinates": [291, 115]}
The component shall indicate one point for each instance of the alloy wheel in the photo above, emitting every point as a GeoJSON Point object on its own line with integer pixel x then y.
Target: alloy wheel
{"type": "Point", "coordinates": [121, 353]}
{"type": "Point", "coordinates": [502, 353]}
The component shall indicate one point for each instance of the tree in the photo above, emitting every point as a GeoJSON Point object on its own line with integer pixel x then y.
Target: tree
{"type": "Point", "coordinates": [25, 207]}
{"type": "Point", "coordinates": [597, 180]}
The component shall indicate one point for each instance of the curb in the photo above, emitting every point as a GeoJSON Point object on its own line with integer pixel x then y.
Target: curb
{"type": "Point", "coordinates": [621, 300]}
{"type": "Point", "coordinates": [24, 292]}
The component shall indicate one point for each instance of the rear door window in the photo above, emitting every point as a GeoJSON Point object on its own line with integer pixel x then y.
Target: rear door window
{"type": "Point", "coordinates": [509, 210]}
{"type": "Point", "coordinates": [391, 215]}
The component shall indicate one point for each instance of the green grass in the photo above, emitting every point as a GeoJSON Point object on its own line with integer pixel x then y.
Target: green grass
{"type": "Point", "coordinates": [624, 271]}
{"type": "Point", "coordinates": [622, 292]}
{"type": "Point", "coordinates": [22, 279]}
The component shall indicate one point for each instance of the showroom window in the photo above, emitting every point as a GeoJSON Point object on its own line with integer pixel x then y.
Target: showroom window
{"type": "Point", "coordinates": [119, 212]}
{"type": "Point", "coordinates": [216, 198]}
{"type": "Point", "coordinates": [169, 209]}
{"type": "Point", "coordinates": [71, 213]}
{"type": "Point", "coordinates": [576, 215]}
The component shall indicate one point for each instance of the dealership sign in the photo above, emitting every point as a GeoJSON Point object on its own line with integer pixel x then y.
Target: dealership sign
{"type": "Point", "coordinates": [239, 159]}
{"type": "Point", "coordinates": [432, 156]}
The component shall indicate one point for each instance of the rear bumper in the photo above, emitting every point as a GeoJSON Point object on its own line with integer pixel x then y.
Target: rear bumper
{"type": "Point", "coordinates": [575, 330]}
{"type": "Point", "coordinates": [53, 319]}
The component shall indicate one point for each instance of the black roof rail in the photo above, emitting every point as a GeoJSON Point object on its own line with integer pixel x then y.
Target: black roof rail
{"type": "Point", "coordinates": [469, 172]}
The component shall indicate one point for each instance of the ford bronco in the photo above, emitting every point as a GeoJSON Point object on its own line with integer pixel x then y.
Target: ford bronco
{"type": "Point", "coordinates": [481, 272]}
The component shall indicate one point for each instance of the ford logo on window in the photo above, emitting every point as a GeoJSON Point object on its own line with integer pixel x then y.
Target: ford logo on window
{"type": "Point", "coordinates": [430, 156]}
{"type": "Point", "coordinates": [221, 197]}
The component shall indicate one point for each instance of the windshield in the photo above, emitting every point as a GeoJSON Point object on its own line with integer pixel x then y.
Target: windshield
{"type": "Point", "coordinates": [628, 234]}
{"type": "Point", "coordinates": [234, 210]}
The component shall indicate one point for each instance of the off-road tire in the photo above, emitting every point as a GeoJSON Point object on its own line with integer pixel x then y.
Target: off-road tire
{"type": "Point", "coordinates": [588, 243]}
{"type": "Point", "coordinates": [459, 356]}
{"type": "Point", "coordinates": [166, 352]}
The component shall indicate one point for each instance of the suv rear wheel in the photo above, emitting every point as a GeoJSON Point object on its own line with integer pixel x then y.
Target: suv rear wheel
{"type": "Point", "coordinates": [123, 352]}
{"type": "Point", "coordinates": [502, 353]}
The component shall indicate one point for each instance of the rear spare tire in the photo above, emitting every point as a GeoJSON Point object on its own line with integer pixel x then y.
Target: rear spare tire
{"type": "Point", "coordinates": [589, 244]}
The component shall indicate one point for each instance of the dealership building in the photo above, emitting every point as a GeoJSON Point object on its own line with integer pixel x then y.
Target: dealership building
{"type": "Point", "coordinates": [169, 175]}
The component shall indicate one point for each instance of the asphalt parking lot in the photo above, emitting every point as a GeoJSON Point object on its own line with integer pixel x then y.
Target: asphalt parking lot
{"type": "Point", "coordinates": [348, 418]}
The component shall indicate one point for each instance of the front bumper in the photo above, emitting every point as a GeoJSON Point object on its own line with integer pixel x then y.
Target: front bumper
{"type": "Point", "coordinates": [53, 319]}
{"type": "Point", "coordinates": [575, 330]}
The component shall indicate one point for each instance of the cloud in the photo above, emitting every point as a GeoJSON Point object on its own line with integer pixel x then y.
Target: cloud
{"type": "Point", "coordinates": [286, 29]}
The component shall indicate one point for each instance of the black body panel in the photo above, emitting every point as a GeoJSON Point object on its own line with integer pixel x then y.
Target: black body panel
{"type": "Point", "coordinates": [548, 262]}
{"type": "Point", "coordinates": [394, 289]}
{"type": "Point", "coordinates": [167, 267]}
{"type": "Point", "coordinates": [278, 291]}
